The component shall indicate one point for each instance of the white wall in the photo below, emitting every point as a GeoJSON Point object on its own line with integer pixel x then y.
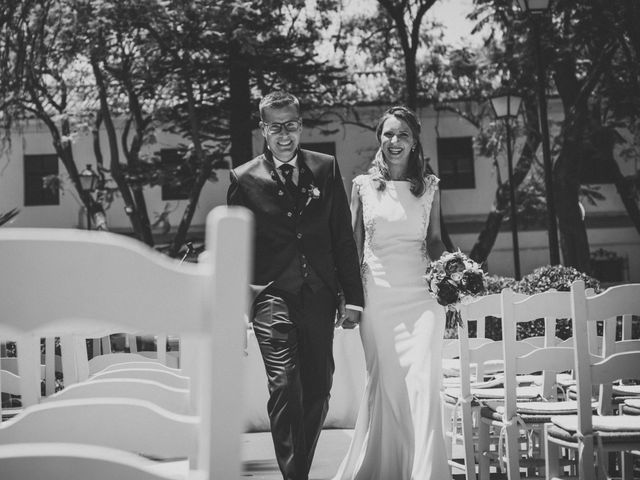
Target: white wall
{"type": "Point", "coordinates": [355, 147]}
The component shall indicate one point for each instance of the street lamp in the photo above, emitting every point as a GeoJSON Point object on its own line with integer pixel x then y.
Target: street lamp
{"type": "Point", "coordinates": [537, 8]}
{"type": "Point", "coordinates": [505, 107]}
{"type": "Point", "coordinates": [88, 182]}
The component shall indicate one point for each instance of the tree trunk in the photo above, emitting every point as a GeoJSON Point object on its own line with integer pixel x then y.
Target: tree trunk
{"type": "Point", "coordinates": [411, 82]}
{"type": "Point", "coordinates": [489, 233]}
{"type": "Point", "coordinates": [573, 234]}
{"type": "Point", "coordinates": [574, 242]}
{"type": "Point", "coordinates": [604, 142]}
{"type": "Point", "coordinates": [241, 113]}
{"type": "Point", "coordinates": [116, 172]}
{"type": "Point", "coordinates": [203, 174]}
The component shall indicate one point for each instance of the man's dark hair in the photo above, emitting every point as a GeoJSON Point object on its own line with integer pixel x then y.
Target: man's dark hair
{"type": "Point", "coordinates": [278, 99]}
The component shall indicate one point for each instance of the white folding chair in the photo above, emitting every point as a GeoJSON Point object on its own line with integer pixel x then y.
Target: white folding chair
{"type": "Point", "coordinates": [585, 432]}
{"type": "Point", "coordinates": [112, 283]}
{"type": "Point", "coordinates": [515, 417]}
{"type": "Point", "coordinates": [484, 357]}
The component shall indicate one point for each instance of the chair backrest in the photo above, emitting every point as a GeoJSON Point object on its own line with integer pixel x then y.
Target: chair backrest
{"type": "Point", "coordinates": [61, 461]}
{"type": "Point", "coordinates": [92, 284]}
{"type": "Point", "coordinates": [102, 362]}
{"type": "Point", "coordinates": [133, 425]}
{"type": "Point", "coordinates": [481, 354]}
{"type": "Point", "coordinates": [151, 364]}
{"type": "Point", "coordinates": [170, 379]}
{"type": "Point", "coordinates": [103, 355]}
{"type": "Point", "coordinates": [175, 400]}
{"type": "Point", "coordinates": [547, 358]}
{"type": "Point", "coordinates": [592, 370]}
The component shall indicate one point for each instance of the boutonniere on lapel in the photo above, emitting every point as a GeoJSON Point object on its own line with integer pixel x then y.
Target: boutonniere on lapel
{"type": "Point", "coordinates": [313, 193]}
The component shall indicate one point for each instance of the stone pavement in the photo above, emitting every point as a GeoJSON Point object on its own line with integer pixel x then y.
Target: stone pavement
{"type": "Point", "coordinates": [260, 464]}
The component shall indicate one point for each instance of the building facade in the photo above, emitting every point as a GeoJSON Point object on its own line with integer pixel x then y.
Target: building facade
{"type": "Point", "coordinates": [468, 186]}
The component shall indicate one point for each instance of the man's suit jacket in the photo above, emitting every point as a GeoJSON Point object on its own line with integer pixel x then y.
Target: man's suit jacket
{"type": "Point", "coordinates": [319, 228]}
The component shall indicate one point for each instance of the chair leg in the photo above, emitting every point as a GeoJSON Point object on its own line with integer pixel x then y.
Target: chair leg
{"type": "Point", "coordinates": [627, 466]}
{"type": "Point", "coordinates": [448, 428]}
{"type": "Point", "coordinates": [586, 469]}
{"type": "Point", "coordinates": [483, 449]}
{"type": "Point", "coordinates": [467, 440]}
{"type": "Point", "coordinates": [552, 457]}
{"type": "Point", "coordinates": [513, 451]}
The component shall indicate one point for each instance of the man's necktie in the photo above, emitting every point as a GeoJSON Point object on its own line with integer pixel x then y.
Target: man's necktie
{"type": "Point", "coordinates": [287, 174]}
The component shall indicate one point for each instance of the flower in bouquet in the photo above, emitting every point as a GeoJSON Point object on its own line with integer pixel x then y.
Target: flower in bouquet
{"type": "Point", "coordinates": [453, 279]}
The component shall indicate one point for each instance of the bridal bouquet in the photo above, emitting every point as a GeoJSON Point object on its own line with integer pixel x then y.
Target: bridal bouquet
{"type": "Point", "coordinates": [453, 279]}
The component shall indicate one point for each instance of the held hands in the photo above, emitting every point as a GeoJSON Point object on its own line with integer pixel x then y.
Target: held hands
{"type": "Point", "coordinates": [347, 318]}
{"type": "Point", "coordinates": [351, 319]}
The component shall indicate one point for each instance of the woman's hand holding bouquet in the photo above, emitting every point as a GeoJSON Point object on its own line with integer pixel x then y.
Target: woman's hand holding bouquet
{"type": "Point", "coordinates": [454, 279]}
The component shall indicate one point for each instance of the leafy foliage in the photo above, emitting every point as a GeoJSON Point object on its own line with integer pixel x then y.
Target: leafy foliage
{"type": "Point", "coordinates": [134, 69]}
{"type": "Point", "coordinates": [554, 277]}
{"type": "Point", "coordinates": [542, 279]}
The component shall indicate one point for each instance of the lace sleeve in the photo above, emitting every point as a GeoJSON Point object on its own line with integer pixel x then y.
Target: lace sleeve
{"type": "Point", "coordinates": [357, 183]}
{"type": "Point", "coordinates": [432, 182]}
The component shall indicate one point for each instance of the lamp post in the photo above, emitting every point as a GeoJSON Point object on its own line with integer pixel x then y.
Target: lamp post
{"type": "Point", "coordinates": [505, 107]}
{"type": "Point", "coordinates": [88, 181]}
{"type": "Point", "coordinates": [537, 8]}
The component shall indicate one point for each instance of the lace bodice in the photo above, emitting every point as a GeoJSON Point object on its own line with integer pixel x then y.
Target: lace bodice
{"type": "Point", "coordinates": [394, 219]}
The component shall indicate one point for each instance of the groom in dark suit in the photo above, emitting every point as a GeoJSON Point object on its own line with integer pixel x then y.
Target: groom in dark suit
{"type": "Point", "coordinates": [306, 266]}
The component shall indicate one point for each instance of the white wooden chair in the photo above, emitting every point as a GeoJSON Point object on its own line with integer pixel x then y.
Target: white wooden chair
{"type": "Point", "coordinates": [92, 284]}
{"type": "Point", "coordinates": [512, 417]}
{"type": "Point", "coordinates": [585, 432]}
{"type": "Point", "coordinates": [477, 357]}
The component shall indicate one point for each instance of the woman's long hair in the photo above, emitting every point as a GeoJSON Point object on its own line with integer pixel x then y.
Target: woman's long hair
{"type": "Point", "coordinates": [417, 168]}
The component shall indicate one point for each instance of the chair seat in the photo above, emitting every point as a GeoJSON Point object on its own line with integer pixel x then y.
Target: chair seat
{"type": "Point", "coordinates": [564, 380]}
{"type": "Point", "coordinates": [626, 390]}
{"type": "Point", "coordinates": [610, 428]}
{"type": "Point", "coordinates": [453, 399]}
{"type": "Point", "coordinates": [633, 402]}
{"type": "Point", "coordinates": [526, 393]}
{"type": "Point", "coordinates": [541, 407]}
{"type": "Point", "coordinates": [631, 406]}
{"type": "Point", "coordinates": [531, 412]}
{"type": "Point", "coordinates": [620, 392]}
{"type": "Point", "coordinates": [627, 410]}
{"type": "Point", "coordinates": [451, 367]}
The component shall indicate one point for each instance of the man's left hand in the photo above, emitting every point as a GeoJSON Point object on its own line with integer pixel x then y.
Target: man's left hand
{"type": "Point", "coordinates": [351, 319]}
{"type": "Point", "coordinates": [347, 317]}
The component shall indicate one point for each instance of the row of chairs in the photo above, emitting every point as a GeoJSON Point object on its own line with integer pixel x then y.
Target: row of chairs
{"type": "Point", "coordinates": [530, 403]}
{"type": "Point", "coordinates": [91, 285]}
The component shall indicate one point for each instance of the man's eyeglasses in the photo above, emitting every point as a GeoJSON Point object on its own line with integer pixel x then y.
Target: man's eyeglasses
{"type": "Point", "coordinates": [290, 126]}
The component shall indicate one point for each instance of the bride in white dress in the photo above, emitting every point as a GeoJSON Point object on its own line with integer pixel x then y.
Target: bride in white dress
{"type": "Point", "coordinates": [395, 207]}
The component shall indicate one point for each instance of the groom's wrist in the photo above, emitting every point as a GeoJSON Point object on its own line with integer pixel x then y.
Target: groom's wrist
{"type": "Point", "coordinates": [354, 308]}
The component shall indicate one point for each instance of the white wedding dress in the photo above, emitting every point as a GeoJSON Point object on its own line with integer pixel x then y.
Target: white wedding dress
{"type": "Point", "coordinates": [398, 433]}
